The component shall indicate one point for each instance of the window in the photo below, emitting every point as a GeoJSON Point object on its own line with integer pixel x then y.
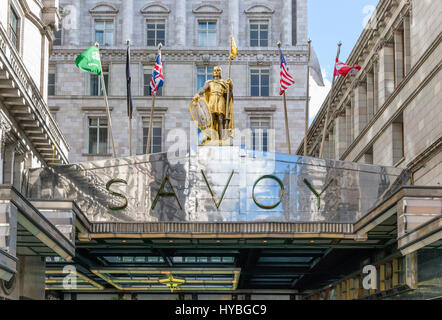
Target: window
{"type": "Point", "coordinates": [259, 32]}
{"type": "Point", "coordinates": [398, 139]}
{"type": "Point", "coordinates": [13, 27]}
{"type": "Point", "coordinates": [400, 270]}
{"type": "Point", "coordinates": [206, 34]}
{"type": "Point", "coordinates": [156, 33]}
{"type": "Point", "coordinates": [104, 32]}
{"type": "Point", "coordinates": [202, 75]}
{"type": "Point", "coordinates": [389, 275]}
{"type": "Point", "coordinates": [157, 135]}
{"type": "Point", "coordinates": [399, 43]}
{"type": "Point", "coordinates": [97, 136]}
{"type": "Point", "coordinates": [57, 35]}
{"type": "Point", "coordinates": [180, 259]}
{"type": "Point", "coordinates": [349, 123]}
{"type": "Point", "coordinates": [147, 75]}
{"type": "Point", "coordinates": [367, 158]}
{"type": "Point", "coordinates": [260, 134]}
{"type": "Point", "coordinates": [259, 82]}
{"type": "Point", "coordinates": [96, 85]}
{"type": "Point", "coordinates": [51, 81]}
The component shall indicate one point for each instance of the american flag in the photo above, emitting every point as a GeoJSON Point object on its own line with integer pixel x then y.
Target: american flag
{"type": "Point", "coordinates": [157, 76]}
{"type": "Point", "coordinates": [286, 79]}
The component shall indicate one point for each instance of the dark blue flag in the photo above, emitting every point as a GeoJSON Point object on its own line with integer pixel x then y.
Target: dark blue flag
{"type": "Point", "coordinates": [129, 85]}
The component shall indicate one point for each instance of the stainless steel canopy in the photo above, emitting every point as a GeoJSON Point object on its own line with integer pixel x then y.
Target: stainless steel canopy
{"type": "Point", "coordinates": [309, 189]}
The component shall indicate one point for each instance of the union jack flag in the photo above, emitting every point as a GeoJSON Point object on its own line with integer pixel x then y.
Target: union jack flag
{"type": "Point", "coordinates": [157, 80]}
{"type": "Point", "coordinates": [286, 79]}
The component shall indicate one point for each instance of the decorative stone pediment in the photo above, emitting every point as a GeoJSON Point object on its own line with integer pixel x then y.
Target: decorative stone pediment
{"type": "Point", "coordinates": [259, 9]}
{"type": "Point", "coordinates": [206, 59]}
{"type": "Point", "coordinates": [152, 57]}
{"type": "Point", "coordinates": [207, 8]}
{"type": "Point", "coordinates": [155, 8]}
{"type": "Point", "coordinates": [260, 58]}
{"type": "Point", "coordinates": [104, 9]}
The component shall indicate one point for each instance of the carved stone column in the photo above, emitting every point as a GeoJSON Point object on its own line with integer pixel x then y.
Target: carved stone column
{"type": "Point", "coordinates": [180, 23]}
{"type": "Point", "coordinates": [398, 56]}
{"type": "Point", "coordinates": [4, 129]}
{"type": "Point", "coordinates": [349, 122]}
{"type": "Point", "coordinates": [407, 45]}
{"type": "Point", "coordinates": [71, 23]}
{"type": "Point", "coordinates": [234, 18]}
{"type": "Point", "coordinates": [286, 23]}
{"type": "Point", "coordinates": [375, 83]}
{"type": "Point", "coordinates": [340, 135]}
{"type": "Point", "coordinates": [386, 71]}
{"type": "Point", "coordinates": [8, 162]}
{"type": "Point", "coordinates": [370, 95]}
{"type": "Point", "coordinates": [128, 14]}
{"type": "Point", "coordinates": [360, 107]}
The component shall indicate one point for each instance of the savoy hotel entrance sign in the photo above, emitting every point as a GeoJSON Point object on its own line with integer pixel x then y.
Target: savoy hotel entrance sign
{"type": "Point", "coordinates": [217, 184]}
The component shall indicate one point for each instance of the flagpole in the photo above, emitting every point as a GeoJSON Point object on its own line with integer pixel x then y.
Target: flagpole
{"type": "Point", "coordinates": [307, 94]}
{"type": "Point", "coordinates": [103, 85]}
{"type": "Point", "coordinates": [285, 108]}
{"type": "Point", "coordinates": [228, 88]}
{"type": "Point", "coordinates": [321, 150]}
{"type": "Point", "coordinates": [129, 115]}
{"type": "Point", "coordinates": [151, 112]}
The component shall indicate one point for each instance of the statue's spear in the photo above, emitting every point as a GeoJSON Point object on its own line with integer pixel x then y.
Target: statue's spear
{"type": "Point", "coordinates": [232, 56]}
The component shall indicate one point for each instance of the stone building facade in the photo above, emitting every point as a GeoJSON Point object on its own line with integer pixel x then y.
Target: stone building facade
{"type": "Point", "coordinates": [195, 35]}
{"type": "Point", "coordinates": [390, 112]}
{"type": "Point", "coordinates": [29, 138]}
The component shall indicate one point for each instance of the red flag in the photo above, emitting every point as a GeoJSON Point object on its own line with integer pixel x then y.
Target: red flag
{"type": "Point", "coordinates": [342, 69]}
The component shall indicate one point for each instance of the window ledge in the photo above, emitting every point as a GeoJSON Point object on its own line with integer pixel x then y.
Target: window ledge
{"type": "Point", "coordinates": [260, 109]}
{"type": "Point", "coordinates": [95, 109]}
{"type": "Point", "coordinates": [96, 154]}
{"type": "Point", "coordinates": [399, 162]}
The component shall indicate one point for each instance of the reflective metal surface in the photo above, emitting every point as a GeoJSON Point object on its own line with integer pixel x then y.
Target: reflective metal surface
{"type": "Point", "coordinates": [8, 227]}
{"type": "Point", "coordinates": [8, 240]}
{"type": "Point", "coordinates": [63, 220]}
{"type": "Point", "coordinates": [313, 189]}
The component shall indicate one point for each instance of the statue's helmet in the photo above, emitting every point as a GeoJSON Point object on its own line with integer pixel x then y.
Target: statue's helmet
{"type": "Point", "coordinates": [217, 72]}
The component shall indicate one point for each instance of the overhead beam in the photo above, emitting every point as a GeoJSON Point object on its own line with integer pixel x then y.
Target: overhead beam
{"type": "Point", "coordinates": [4, 74]}
{"type": "Point", "coordinates": [10, 93]}
{"type": "Point", "coordinates": [165, 257]}
{"type": "Point", "coordinates": [6, 84]}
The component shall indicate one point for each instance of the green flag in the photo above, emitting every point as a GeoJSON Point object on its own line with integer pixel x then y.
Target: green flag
{"type": "Point", "coordinates": [89, 61]}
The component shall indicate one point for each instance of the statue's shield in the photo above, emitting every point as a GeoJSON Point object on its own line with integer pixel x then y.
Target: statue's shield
{"type": "Point", "coordinates": [201, 115]}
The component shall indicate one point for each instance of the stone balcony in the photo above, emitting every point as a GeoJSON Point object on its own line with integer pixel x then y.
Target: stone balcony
{"type": "Point", "coordinates": [25, 104]}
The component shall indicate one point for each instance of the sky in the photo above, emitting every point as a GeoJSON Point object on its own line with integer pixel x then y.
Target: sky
{"type": "Point", "coordinates": [331, 21]}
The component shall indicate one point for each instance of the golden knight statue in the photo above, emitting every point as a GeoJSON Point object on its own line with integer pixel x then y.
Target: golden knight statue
{"type": "Point", "coordinates": [218, 99]}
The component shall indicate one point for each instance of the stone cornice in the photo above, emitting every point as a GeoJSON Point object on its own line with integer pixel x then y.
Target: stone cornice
{"type": "Point", "coordinates": [4, 125]}
{"type": "Point", "coordinates": [194, 56]}
{"type": "Point", "coordinates": [394, 94]}
{"type": "Point", "coordinates": [31, 16]}
{"type": "Point", "coordinates": [367, 46]}
{"type": "Point", "coordinates": [259, 109]}
{"type": "Point", "coordinates": [38, 21]}
{"type": "Point", "coordinates": [275, 98]}
{"type": "Point", "coordinates": [145, 110]}
{"type": "Point", "coordinates": [95, 109]}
